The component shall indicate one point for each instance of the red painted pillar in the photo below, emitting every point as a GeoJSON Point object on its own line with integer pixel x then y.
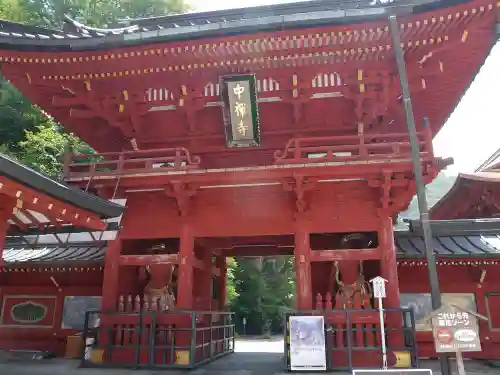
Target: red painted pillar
{"type": "Point", "coordinates": [109, 301]}
{"type": "Point", "coordinates": [388, 264]}
{"type": "Point", "coordinates": [5, 214]}
{"type": "Point", "coordinates": [111, 276]}
{"type": "Point", "coordinates": [186, 259]}
{"type": "Point", "coordinates": [207, 281]}
{"type": "Point", "coordinates": [389, 271]}
{"type": "Point", "coordinates": [222, 282]}
{"type": "Point", "coordinates": [185, 293]}
{"type": "Point", "coordinates": [303, 268]}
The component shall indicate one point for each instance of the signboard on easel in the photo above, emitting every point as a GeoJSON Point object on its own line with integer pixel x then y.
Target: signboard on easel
{"type": "Point", "coordinates": [456, 330]}
{"type": "Point", "coordinates": [393, 372]}
{"type": "Point", "coordinates": [307, 343]}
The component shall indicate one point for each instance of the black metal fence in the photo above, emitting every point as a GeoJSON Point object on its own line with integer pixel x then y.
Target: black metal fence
{"type": "Point", "coordinates": [180, 339]}
{"type": "Point", "coordinates": [353, 338]}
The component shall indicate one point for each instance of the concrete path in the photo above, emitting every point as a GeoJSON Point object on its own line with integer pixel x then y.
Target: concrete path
{"type": "Point", "coordinates": [252, 357]}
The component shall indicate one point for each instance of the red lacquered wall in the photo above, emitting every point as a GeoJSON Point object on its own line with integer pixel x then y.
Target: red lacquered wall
{"type": "Point", "coordinates": [460, 283]}
{"type": "Point", "coordinates": [36, 287]}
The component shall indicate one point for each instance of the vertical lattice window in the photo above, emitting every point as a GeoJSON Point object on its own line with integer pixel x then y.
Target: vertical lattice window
{"type": "Point", "coordinates": [28, 312]}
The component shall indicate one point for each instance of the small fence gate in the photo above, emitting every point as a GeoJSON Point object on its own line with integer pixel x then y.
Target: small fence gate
{"type": "Point", "coordinates": [182, 340]}
{"type": "Point", "coordinates": [352, 338]}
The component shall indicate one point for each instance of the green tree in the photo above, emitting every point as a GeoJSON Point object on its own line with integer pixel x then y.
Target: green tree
{"type": "Point", "coordinates": [26, 133]}
{"type": "Point", "coordinates": [44, 149]}
{"type": "Point", "coordinates": [265, 288]}
{"type": "Point", "coordinates": [96, 13]}
{"type": "Point", "coordinates": [11, 10]}
{"type": "Point", "coordinates": [17, 116]}
{"type": "Point", "coordinates": [232, 294]}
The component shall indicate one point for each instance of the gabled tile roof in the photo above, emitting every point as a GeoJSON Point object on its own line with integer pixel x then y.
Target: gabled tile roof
{"type": "Point", "coordinates": [58, 190]}
{"type": "Point", "coordinates": [76, 36]}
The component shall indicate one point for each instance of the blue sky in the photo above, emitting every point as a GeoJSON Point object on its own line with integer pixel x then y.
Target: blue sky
{"type": "Point", "coordinates": [472, 132]}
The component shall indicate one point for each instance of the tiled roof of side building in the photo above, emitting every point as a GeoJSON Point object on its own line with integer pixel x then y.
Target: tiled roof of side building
{"type": "Point", "coordinates": [453, 238]}
{"type": "Point", "coordinates": [487, 178]}
{"type": "Point", "coordinates": [54, 254]}
{"type": "Point", "coordinates": [77, 37]}
{"type": "Point", "coordinates": [58, 190]}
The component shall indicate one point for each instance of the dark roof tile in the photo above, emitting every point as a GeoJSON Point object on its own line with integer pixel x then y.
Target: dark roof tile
{"type": "Point", "coordinates": [215, 23]}
{"type": "Point", "coordinates": [53, 254]}
{"type": "Point", "coordinates": [488, 245]}
{"type": "Point", "coordinates": [58, 190]}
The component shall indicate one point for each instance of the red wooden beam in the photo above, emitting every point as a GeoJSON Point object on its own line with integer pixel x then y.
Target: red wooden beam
{"type": "Point", "coordinates": [215, 271]}
{"type": "Point", "coordinates": [49, 207]}
{"type": "Point", "coordinates": [22, 226]}
{"type": "Point", "coordinates": [257, 251]}
{"type": "Point", "coordinates": [345, 254]}
{"type": "Point", "coordinates": [33, 219]}
{"type": "Point", "coordinates": [143, 260]}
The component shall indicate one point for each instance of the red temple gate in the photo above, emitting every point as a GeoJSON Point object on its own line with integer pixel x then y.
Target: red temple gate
{"type": "Point", "coordinates": [289, 139]}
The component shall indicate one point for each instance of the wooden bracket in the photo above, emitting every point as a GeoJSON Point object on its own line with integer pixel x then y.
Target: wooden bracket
{"type": "Point", "coordinates": [120, 110]}
{"type": "Point", "coordinates": [183, 194]}
{"type": "Point", "coordinates": [392, 200]}
{"type": "Point", "coordinates": [298, 93]}
{"type": "Point", "coordinates": [300, 186]}
{"type": "Point", "coordinates": [191, 101]}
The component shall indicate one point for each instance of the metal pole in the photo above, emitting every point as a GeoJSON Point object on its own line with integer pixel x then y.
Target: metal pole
{"type": "Point", "coordinates": [417, 169]}
{"type": "Point", "coordinates": [382, 333]}
{"type": "Point", "coordinates": [460, 363]}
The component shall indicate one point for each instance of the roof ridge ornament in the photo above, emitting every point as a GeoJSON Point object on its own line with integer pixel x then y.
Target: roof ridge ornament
{"type": "Point", "coordinates": [81, 26]}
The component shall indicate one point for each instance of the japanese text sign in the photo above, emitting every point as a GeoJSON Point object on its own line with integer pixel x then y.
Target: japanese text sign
{"type": "Point", "coordinates": [240, 110]}
{"type": "Point", "coordinates": [378, 287]}
{"type": "Point", "coordinates": [455, 330]}
{"type": "Point", "coordinates": [393, 372]}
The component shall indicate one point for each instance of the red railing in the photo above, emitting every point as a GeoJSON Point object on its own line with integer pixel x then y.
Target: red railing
{"type": "Point", "coordinates": [297, 151]}
{"type": "Point", "coordinates": [129, 162]}
{"type": "Point", "coordinates": [352, 148]}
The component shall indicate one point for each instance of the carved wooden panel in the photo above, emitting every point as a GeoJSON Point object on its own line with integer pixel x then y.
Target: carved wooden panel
{"type": "Point", "coordinates": [28, 311]}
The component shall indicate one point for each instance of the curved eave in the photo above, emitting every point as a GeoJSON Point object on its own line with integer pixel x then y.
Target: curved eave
{"type": "Point", "coordinates": [44, 40]}
{"type": "Point", "coordinates": [62, 192]}
{"type": "Point", "coordinates": [450, 199]}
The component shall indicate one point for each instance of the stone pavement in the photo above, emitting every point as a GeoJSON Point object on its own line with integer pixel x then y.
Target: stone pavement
{"type": "Point", "coordinates": [252, 357]}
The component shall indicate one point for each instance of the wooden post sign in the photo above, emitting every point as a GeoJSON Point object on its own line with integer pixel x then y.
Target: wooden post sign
{"type": "Point", "coordinates": [241, 116]}
{"type": "Point", "coordinates": [456, 330]}
{"type": "Point", "coordinates": [379, 293]}
{"type": "Point", "coordinates": [415, 371]}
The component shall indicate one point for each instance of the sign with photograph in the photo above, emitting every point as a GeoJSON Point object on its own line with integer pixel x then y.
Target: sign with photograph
{"type": "Point", "coordinates": [421, 305]}
{"type": "Point", "coordinates": [455, 330]}
{"type": "Point", "coordinates": [241, 116]}
{"type": "Point", "coordinates": [416, 371]}
{"type": "Point", "coordinates": [74, 311]}
{"type": "Point", "coordinates": [307, 343]}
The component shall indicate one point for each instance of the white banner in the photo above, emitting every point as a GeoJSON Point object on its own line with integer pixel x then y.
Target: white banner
{"type": "Point", "coordinates": [307, 343]}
